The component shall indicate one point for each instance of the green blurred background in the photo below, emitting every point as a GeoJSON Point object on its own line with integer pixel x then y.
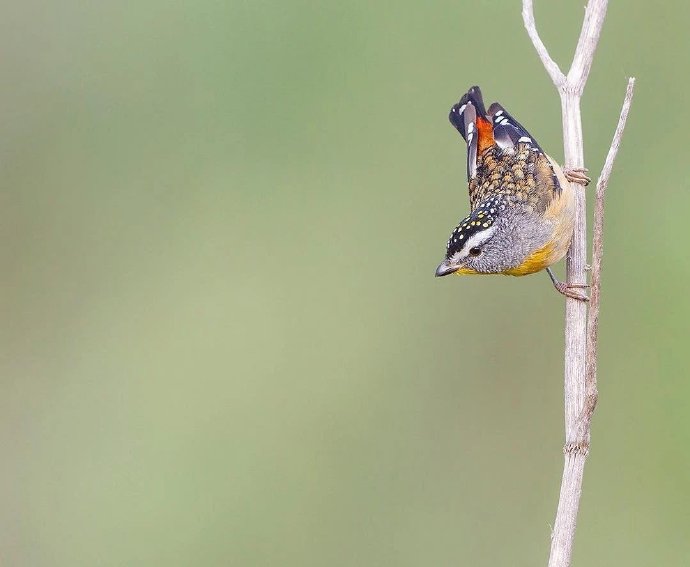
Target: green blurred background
{"type": "Point", "coordinates": [224, 344]}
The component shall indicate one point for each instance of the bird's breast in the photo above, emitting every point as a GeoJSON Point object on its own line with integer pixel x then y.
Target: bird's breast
{"type": "Point", "coordinates": [561, 215]}
{"type": "Point", "coordinates": [538, 260]}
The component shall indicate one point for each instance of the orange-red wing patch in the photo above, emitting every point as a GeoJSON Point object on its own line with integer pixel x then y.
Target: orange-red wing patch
{"type": "Point", "coordinates": [485, 134]}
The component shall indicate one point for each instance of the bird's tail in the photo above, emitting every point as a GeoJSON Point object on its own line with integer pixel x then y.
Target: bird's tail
{"type": "Point", "coordinates": [470, 119]}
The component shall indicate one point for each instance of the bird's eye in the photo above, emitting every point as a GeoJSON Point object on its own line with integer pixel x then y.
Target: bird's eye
{"type": "Point", "coordinates": [476, 251]}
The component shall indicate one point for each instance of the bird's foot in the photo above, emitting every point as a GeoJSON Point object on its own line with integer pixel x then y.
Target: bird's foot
{"type": "Point", "coordinates": [569, 290]}
{"type": "Point", "coordinates": [577, 175]}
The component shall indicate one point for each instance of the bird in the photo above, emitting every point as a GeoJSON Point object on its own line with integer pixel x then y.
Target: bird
{"type": "Point", "coordinates": [522, 208]}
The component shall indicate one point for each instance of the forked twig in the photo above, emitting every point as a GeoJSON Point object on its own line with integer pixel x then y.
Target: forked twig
{"type": "Point", "coordinates": [581, 334]}
{"type": "Point", "coordinates": [550, 65]}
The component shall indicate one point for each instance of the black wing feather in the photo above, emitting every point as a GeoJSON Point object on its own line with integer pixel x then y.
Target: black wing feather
{"type": "Point", "coordinates": [508, 131]}
{"type": "Point", "coordinates": [463, 116]}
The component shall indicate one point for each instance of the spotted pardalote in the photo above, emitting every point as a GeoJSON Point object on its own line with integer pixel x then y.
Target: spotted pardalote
{"type": "Point", "coordinates": [522, 208]}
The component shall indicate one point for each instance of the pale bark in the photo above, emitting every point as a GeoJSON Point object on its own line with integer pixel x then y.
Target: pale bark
{"type": "Point", "coordinates": [580, 372]}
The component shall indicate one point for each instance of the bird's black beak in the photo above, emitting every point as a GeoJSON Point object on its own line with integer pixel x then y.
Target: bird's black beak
{"type": "Point", "coordinates": [444, 269]}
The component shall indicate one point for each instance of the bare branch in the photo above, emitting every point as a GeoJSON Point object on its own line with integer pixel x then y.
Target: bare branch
{"type": "Point", "coordinates": [550, 65]}
{"type": "Point", "coordinates": [581, 359]}
{"type": "Point", "coordinates": [580, 370]}
{"type": "Point", "coordinates": [603, 180]}
{"type": "Point", "coordinates": [591, 394]}
{"type": "Point", "coordinates": [586, 45]}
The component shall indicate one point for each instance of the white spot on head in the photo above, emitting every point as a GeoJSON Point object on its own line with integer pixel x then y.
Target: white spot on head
{"type": "Point", "coordinates": [477, 239]}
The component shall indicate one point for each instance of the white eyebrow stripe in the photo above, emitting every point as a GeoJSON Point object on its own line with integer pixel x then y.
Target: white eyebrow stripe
{"type": "Point", "coordinates": [475, 240]}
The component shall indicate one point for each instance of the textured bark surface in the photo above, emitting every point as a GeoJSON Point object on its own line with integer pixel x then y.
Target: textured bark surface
{"type": "Point", "coordinates": [580, 371]}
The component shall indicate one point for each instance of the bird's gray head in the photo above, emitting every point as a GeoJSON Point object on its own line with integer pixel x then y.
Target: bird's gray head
{"type": "Point", "coordinates": [493, 239]}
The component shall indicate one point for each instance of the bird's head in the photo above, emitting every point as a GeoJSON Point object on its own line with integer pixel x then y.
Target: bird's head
{"type": "Point", "coordinates": [481, 243]}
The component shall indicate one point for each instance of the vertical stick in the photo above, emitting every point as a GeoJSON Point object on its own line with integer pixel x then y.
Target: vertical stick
{"type": "Point", "coordinates": [580, 338]}
{"type": "Point", "coordinates": [591, 393]}
{"type": "Point", "coordinates": [576, 442]}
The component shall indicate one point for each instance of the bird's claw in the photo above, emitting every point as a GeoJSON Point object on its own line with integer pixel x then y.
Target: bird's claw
{"type": "Point", "coordinates": [577, 175]}
{"type": "Point", "coordinates": [568, 290]}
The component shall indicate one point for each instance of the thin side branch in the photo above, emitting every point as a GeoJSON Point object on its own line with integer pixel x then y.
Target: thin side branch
{"type": "Point", "coordinates": [550, 65]}
{"type": "Point", "coordinates": [591, 393]}
{"type": "Point", "coordinates": [580, 369]}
